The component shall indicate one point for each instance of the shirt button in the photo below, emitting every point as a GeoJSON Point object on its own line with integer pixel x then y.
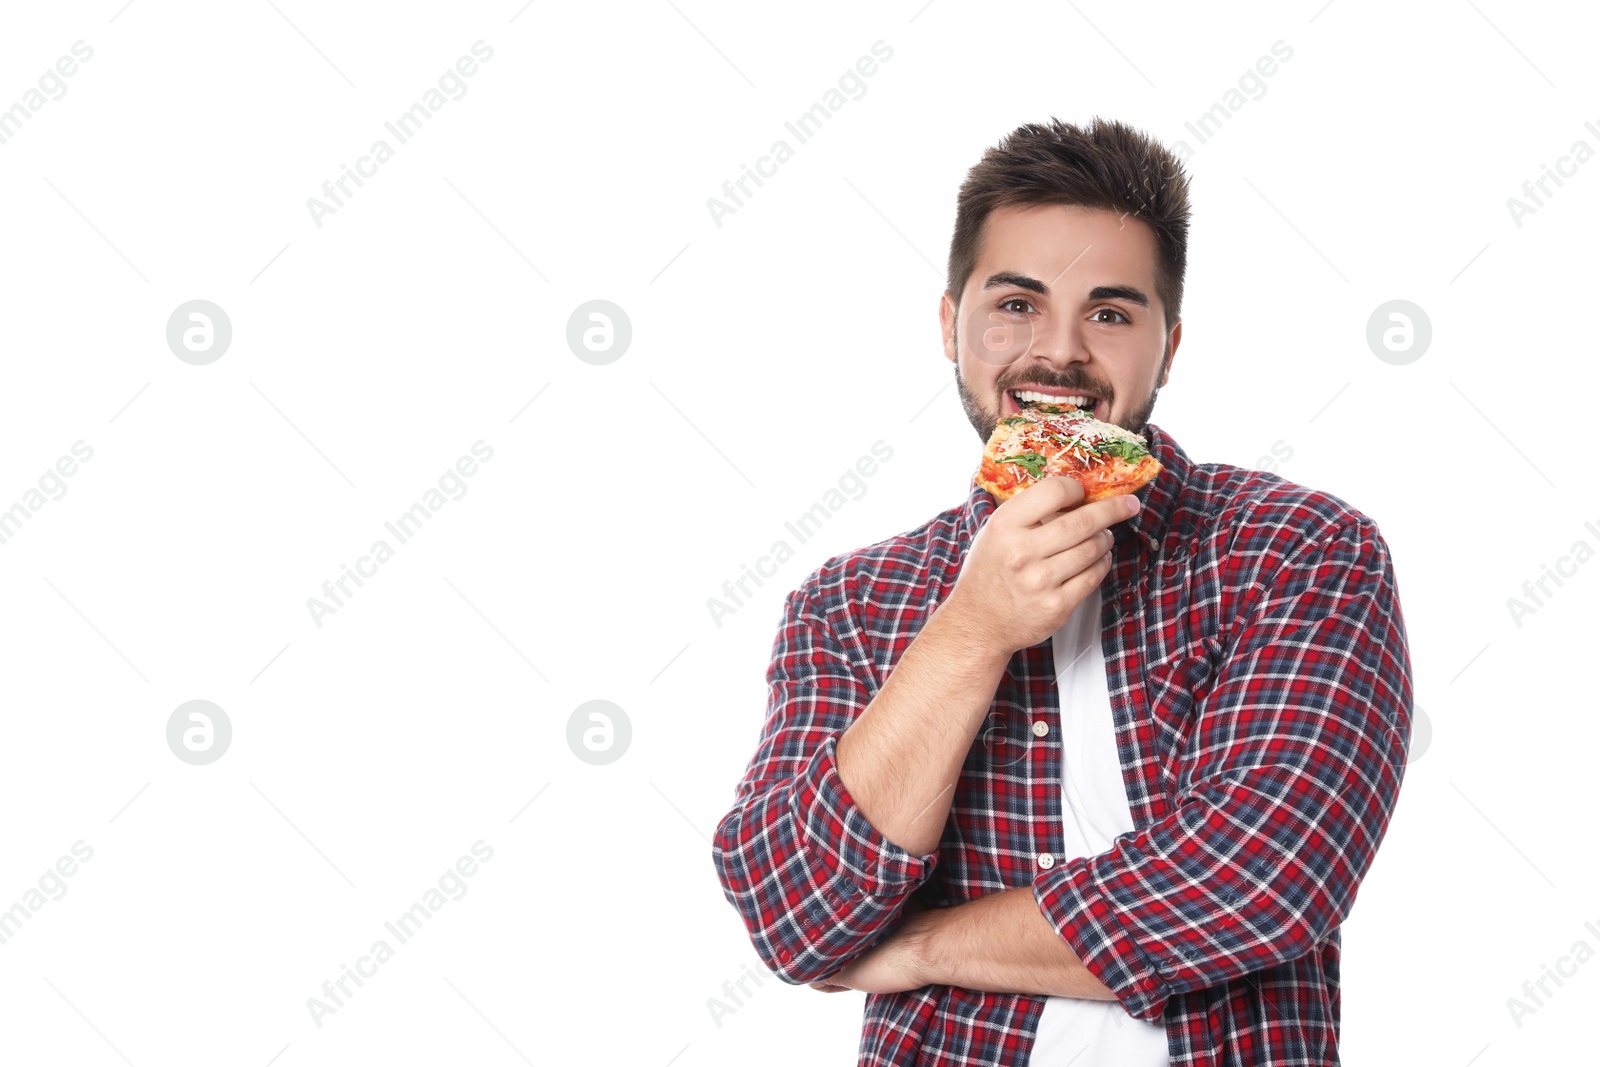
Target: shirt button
{"type": "Point", "coordinates": [1041, 728]}
{"type": "Point", "coordinates": [1046, 861]}
{"type": "Point", "coordinates": [1154, 544]}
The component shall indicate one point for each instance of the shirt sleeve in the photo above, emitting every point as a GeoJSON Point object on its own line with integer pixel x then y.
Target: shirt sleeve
{"type": "Point", "coordinates": [815, 883]}
{"type": "Point", "coordinates": [1293, 767]}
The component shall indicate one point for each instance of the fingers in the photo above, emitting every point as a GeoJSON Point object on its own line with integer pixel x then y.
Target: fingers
{"type": "Point", "coordinates": [1041, 499]}
{"type": "Point", "coordinates": [1079, 554]}
{"type": "Point", "coordinates": [1084, 523]}
{"type": "Point", "coordinates": [1081, 567]}
{"type": "Point", "coordinates": [1047, 577]}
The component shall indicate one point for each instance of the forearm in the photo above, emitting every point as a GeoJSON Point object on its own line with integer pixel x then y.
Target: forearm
{"type": "Point", "coordinates": [901, 759]}
{"type": "Point", "coordinates": [1002, 943]}
{"type": "Point", "coordinates": [1290, 773]}
{"type": "Point", "coordinates": [813, 878]}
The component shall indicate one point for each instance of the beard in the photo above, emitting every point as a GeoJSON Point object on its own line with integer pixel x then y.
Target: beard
{"type": "Point", "coordinates": [984, 420]}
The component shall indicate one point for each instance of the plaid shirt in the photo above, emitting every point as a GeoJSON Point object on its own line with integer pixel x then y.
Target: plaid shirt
{"type": "Point", "coordinates": [1261, 690]}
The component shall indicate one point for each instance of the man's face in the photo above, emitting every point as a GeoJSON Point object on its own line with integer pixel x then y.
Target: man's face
{"type": "Point", "coordinates": [1062, 302]}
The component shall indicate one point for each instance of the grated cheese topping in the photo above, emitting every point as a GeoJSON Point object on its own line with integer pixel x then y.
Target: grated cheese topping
{"type": "Point", "coordinates": [1047, 439]}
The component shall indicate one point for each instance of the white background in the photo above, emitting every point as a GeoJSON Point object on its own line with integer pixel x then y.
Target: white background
{"type": "Point", "coordinates": [369, 353]}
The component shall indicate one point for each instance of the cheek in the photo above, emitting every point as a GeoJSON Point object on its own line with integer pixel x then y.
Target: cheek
{"type": "Point", "coordinates": [990, 341]}
{"type": "Point", "coordinates": [981, 377]}
{"type": "Point", "coordinates": [978, 376]}
{"type": "Point", "coordinates": [1137, 369]}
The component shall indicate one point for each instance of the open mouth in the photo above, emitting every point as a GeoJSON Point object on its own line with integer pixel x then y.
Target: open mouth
{"type": "Point", "coordinates": [1013, 399]}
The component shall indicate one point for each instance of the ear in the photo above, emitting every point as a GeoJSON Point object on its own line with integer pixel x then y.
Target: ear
{"type": "Point", "coordinates": [1172, 351]}
{"type": "Point", "coordinates": [947, 324]}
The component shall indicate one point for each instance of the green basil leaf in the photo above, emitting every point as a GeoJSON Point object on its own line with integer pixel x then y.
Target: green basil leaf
{"type": "Point", "coordinates": [1032, 461]}
{"type": "Point", "coordinates": [1131, 451]}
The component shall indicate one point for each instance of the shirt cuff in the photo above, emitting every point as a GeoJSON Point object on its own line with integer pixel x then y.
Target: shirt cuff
{"type": "Point", "coordinates": [837, 836]}
{"type": "Point", "coordinates": [1088, 922]}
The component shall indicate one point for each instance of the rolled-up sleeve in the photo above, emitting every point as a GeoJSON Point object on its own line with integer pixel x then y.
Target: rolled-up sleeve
{"type": "Point", "coordinates": [814, 881]}
{"type": "Point", "coordinates": [1291, 771]}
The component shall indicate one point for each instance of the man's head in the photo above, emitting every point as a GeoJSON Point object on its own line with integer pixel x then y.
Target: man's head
{"type": "Point", "coordinates": [1066, 272]}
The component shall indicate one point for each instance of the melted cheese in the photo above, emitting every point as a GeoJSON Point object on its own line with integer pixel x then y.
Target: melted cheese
{"type": "Point", "coordinates": [1082, 431]}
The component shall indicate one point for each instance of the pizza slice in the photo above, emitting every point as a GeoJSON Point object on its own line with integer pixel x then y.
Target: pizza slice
{"type": "Point", "coordinates": [1052, 440]}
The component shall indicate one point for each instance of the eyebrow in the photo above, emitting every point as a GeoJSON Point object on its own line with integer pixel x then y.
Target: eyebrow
{"type": "Point", "coordinates": [1034, 285]}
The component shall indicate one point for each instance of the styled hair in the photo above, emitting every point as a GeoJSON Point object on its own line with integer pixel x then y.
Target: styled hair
{"type": "Point", "coordinates": [1107, 165]}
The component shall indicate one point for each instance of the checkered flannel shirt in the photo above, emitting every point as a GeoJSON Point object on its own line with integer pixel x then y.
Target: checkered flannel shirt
{"type": "Point", "coordinates": [1260, 684]}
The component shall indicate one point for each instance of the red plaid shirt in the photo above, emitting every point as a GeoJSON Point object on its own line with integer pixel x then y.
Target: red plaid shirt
{"type": "Point", "coordinates": [1261, 689]}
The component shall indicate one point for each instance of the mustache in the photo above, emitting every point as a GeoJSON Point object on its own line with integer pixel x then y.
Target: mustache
{"type": "Point", "coordinates": [1072, 383]}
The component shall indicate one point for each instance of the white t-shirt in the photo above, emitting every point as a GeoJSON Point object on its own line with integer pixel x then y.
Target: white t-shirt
{"type": "Point", "coordinates": [1094, 810]}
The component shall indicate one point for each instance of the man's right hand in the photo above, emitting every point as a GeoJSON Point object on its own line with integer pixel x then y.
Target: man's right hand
{"type": "Point", "coordinates": [1037, 558]}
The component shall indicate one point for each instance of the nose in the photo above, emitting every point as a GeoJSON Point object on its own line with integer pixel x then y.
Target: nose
{"type": "Point", "coordinates": [1057, 342]}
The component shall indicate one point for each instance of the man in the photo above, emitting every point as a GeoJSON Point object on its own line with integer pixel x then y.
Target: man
{"type": "Point", "coordinates": [1092, 783]}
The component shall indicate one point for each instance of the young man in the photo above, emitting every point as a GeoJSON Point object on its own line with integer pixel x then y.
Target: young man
{"type": "Point", "coordinates": [1057, 782]}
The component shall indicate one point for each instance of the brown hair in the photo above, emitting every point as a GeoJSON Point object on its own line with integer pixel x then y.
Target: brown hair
{"type": "Point", "coordinates": [1108, 165]}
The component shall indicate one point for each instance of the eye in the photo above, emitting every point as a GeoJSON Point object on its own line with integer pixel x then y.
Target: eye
{"type": "Point", "coordinates": [1006, 305]}
{"type": "Point", "coordinates": [1112, 311]}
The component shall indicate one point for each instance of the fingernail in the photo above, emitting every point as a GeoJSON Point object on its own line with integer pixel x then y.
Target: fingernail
{"type": "Point", "coordinates": [1133, 504]}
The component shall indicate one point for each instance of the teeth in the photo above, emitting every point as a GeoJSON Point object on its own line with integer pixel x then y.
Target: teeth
{"type": "Point", "coordinates": [1024, 395]}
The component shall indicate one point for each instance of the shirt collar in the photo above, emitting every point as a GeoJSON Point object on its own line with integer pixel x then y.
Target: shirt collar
{"type": "Point", "coordinates": [1157, 498]}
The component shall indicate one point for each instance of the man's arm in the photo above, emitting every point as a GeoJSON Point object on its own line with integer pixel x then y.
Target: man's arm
{"type": "Point", "coordinates": [1002, 943]}
{"type": "Point", "coordinates": [814, 879]}
{"type": "Point", "coordinates": [838, 817]}
{"type": "Point", "coordinates": [999, 943]}
{"type": "Point", "coordinates": [1300, 748]}
{"type": "Point", "coordinates": [1296, 753]}
{"type": "Point", "coordinates": [1039, 556]}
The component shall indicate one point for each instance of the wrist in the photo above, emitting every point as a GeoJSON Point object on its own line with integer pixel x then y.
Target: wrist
{"type": "Point", "coordinates": [967, 633]}
{"type": "Point", "coordinates": [927, 947]}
